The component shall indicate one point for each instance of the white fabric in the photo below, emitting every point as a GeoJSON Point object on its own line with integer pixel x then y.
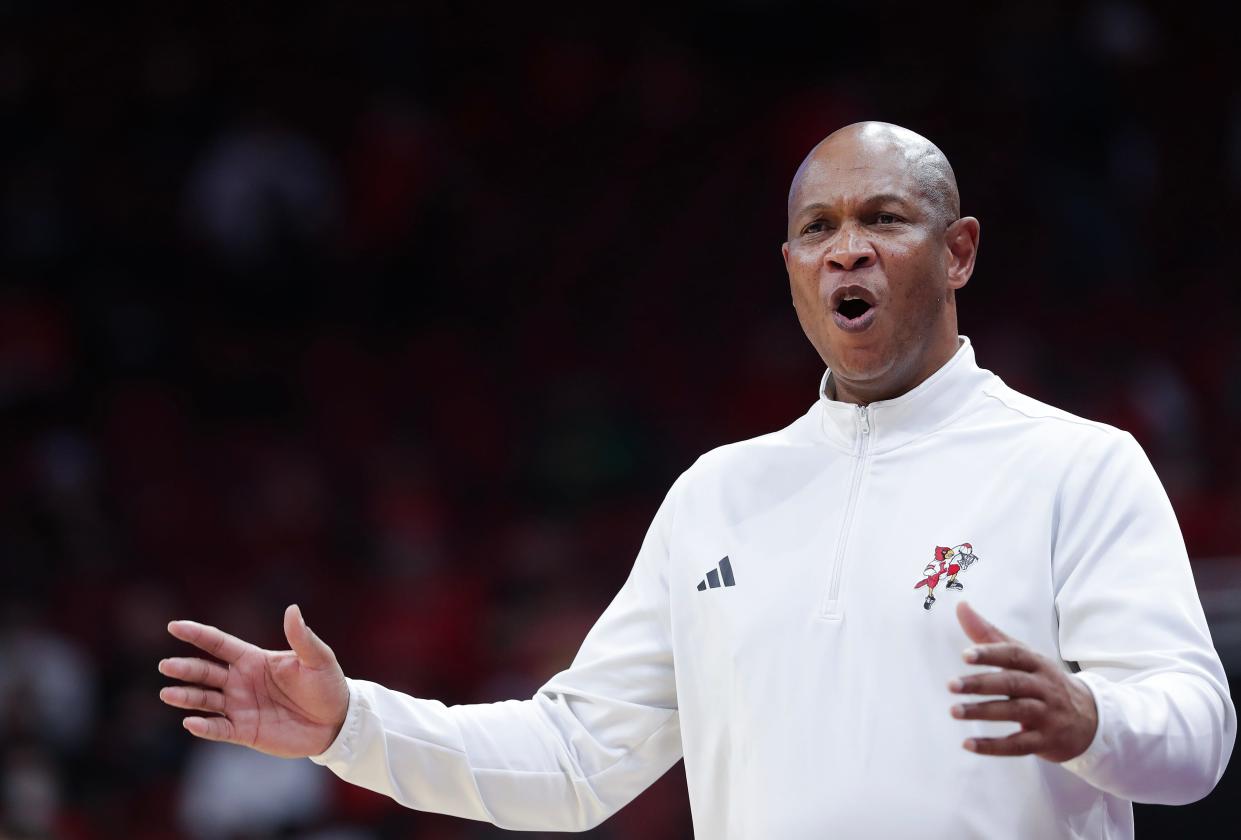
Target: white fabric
{"type": "Point", "coordinates": [809, 699]}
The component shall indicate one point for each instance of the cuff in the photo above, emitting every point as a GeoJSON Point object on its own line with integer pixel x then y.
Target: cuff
{"type": "Point", "coordinates": [1101, 745]}
{"type": "Point", "coordinates": [342, 747]}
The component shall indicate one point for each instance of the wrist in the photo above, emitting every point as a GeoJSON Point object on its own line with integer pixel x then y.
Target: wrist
{"type": "Point", "coordinates": [1087, 714]}
{"type": "Point", "coordinates": [1099, 744]}
{"type": "Point", "coordinates": [339, 730]}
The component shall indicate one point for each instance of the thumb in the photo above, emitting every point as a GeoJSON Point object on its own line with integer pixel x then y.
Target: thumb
{"type": "Point", "coordinates": [310, 649]}
{"type": "Point", "coordinates": [976, 627]}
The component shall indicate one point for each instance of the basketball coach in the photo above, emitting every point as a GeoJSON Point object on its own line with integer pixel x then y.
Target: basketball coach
{"type": "Point", "coordinates": [795, 624]}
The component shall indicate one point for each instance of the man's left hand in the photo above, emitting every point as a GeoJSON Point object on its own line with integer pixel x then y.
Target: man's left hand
{"type": "Point", "coordinates": [1056, 712]}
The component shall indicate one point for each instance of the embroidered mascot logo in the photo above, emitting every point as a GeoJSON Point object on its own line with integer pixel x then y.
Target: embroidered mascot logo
{"type": "Point", "coordinates": [948, 562]}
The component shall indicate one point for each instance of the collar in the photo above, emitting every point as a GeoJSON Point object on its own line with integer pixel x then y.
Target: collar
{"type": "Point", "coordinates": [895, 422]}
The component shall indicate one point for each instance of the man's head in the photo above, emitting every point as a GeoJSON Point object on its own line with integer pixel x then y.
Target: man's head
{"type": "Point", "coordinates": [876, 251]}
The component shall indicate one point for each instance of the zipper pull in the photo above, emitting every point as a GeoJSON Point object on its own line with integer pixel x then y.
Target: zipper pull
{"type": "Point", "coordinates": [864, 417]}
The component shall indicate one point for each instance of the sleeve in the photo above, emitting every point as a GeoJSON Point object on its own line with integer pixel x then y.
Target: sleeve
{"type": "Point", "coordinates": [1130, 618]}
{"type": "Point", "coordinates": [589, 741]}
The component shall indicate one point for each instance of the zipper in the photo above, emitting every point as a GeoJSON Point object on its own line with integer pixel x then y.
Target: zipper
{"type": "Point", "coordinates": [831, 606]}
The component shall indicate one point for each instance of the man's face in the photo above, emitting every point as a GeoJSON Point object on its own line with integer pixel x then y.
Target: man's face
{"type": "Point", "coordinates": [868, 265]}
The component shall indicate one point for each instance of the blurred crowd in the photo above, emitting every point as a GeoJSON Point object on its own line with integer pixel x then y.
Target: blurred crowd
{"type": "Point", "coordinates": [411, 317]}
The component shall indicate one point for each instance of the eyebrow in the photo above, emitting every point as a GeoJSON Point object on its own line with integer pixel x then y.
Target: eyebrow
{"type": "Point", "coordinates": [870, 200]}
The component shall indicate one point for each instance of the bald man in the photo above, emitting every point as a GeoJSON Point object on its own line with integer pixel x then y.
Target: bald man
{"type": "Point", "coordinates": [784, 626]}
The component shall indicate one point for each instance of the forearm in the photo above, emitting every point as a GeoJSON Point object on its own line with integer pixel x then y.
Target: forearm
{"type": "Point", "coordinates": [590, 740]}
{"type": "Point", "coordinates": [1130, 616]}
{"type": "Point", "coordinates": [527, 765]}
{"type": "Point", "coordinates": [404, 748]}
{"type": "Point", "coordinates": [1164, 739]}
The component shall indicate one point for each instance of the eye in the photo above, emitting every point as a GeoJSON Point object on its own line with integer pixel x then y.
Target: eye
{"type": "Point", "coordinates": [818, 226]}
{"type": "Point", "coordinates": [886, 218]}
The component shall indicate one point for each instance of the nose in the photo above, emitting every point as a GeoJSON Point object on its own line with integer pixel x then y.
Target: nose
{"type": "Point", "coordinates": [850, 252]}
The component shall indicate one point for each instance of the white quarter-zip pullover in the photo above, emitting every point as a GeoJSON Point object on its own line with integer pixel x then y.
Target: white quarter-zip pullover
{"type": "Point", "coordinates": [776, 630]}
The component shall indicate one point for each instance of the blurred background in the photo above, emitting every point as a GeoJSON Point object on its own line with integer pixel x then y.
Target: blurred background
{"type": "Point", "coordinates": [411, 315]}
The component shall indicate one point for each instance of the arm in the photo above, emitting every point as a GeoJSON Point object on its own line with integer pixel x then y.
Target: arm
{"type": "Point", "coordinates": [1130, 617]}
{"type": "Point", "coordinates": [588, 742]}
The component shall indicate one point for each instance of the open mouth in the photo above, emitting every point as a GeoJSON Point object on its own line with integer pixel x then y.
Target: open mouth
{"type": "Point", "coordinates": [853, 308]}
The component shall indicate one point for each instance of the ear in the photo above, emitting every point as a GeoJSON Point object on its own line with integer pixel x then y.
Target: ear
{"type": "Point", "coordinates": [961, 239]}
{"type": "Point", "coordinates": [784, 252]}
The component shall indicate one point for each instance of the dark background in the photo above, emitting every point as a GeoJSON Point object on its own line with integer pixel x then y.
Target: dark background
{"type": "Point", "coordinates": [412, 314]}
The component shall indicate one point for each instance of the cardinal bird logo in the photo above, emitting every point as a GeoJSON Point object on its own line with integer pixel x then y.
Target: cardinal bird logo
{"type": "Point", "coordinates": [948, 562]}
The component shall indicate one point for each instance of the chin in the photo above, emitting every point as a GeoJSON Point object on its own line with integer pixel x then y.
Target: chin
{"type": "Point", "coordinates": [862, 364]}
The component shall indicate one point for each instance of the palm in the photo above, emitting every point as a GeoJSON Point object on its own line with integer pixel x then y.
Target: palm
{"type": "Point", "coordinates": [277, 705]}
{"type": "Point", "coordinates": [288, 703]}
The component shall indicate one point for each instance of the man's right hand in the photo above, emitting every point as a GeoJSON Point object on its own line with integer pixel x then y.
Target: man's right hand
{"type": "Point", "coordinates": [289, 703]}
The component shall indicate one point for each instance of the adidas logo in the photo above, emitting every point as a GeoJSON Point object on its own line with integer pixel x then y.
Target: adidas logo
{"type": "Point", "coordinates": [724, 573]}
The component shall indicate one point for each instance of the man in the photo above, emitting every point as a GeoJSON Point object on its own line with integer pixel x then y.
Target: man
{"type": "Point", "coordinates": [771, 630]}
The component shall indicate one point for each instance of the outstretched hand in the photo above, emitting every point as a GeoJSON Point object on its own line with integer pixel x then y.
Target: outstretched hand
{"type": "Point", "coordinates": [1057, 713]}
{"type": "Point", "coordinates": [289, 703]}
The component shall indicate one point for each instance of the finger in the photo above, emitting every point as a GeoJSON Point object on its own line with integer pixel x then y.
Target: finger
{"type": "Point", "coordinates": [191, 670]}
{"type": "Point", "coordinates": [310, 649]}
{"type": "Point", "coordinates": [1019, 743]}
{"type": "Point", "coordinates": [977, 627]}
{"type": "Point", "coordinates": [1012, 655]}
{"type": "Point", "coordinates": [1009, 683]}
{"type": "Point", "coordinates": [192, 697]}
{"type": "Point", "coordinates": [211, 728]}
{"type": "Point", "coordinates": [205, 637]}
{"type": "Point", "coordinates": [1023, 710]}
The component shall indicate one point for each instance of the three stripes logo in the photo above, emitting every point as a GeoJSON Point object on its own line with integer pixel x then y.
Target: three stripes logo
{"type": "Point", "coordinates": [722, 576]}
